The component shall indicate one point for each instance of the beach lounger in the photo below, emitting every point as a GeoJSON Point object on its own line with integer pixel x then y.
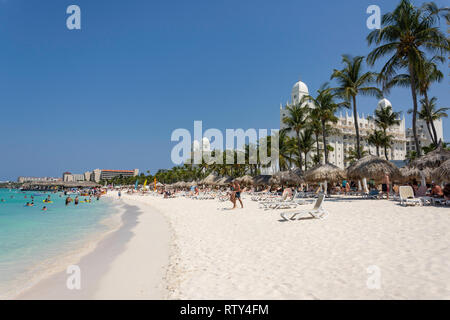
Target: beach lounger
{"type": "Point", "coordinates": [407, 196]}
{"type": "Point", "coordinates": [318, 212]}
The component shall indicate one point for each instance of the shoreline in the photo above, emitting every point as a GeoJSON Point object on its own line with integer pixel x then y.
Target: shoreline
{"type": "Point", "coordinates": [104, 271]}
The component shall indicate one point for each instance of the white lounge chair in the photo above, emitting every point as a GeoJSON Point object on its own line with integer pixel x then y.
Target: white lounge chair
{"type": "Point", "coordinates": [407, 196]}
{"type": "Point", "coordinates": [318, 212]}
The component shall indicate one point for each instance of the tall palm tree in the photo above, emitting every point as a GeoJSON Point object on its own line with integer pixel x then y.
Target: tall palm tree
{"type": "Point", "coordinates": [385, 118]}
{"type": "Point", "coordinates": [296, 121]}
{"type": "Point", "coordinates": [376, 139]}
{"type": "Point", "coordinates": [351, 82]}
{"type": "Point", "coordinates": [307, 142]}
{"type": "Point", "coordinates": [324, 108]}
{"type": "Point", "coordinates": [406, 34]}
{"type": "Point", "coordinates": [316, 126]}
{"type": "Point", "coordinates": [429, 114]}
{"type": "Point", "coordinates": [429, 74]}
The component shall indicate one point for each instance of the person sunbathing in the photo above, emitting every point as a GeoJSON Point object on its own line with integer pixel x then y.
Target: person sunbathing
{"type": "Point", "coordinates": [447, 191]}
{"type": "Point", "coordinates": [436, 191]}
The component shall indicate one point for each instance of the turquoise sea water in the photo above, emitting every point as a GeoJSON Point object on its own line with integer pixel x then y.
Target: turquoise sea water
{"type": "Point", "coordinates": [32, 241]}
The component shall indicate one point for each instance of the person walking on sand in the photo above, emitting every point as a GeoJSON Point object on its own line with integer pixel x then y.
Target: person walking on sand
{"type": "Point", "coordinates": [386, 184]}
{"type": "Point", "coordinates": [119, 194]}
{"type": "Point", "coordinates": [237, 194]}
{"type": "Point", "coordinates": [232, 195]}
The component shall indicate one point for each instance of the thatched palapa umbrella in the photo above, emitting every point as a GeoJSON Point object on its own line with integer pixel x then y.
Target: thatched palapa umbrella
{"type": "Point", "coordinates": [211, 179]}
{"type": "Point", "coordinates": [442, 174]}
{"type": "Point", "coordinates": [414, 173]}
{"type": "Point", "coordinates": [286, 178]}
{"type": "Point", "coordinates": [373, 167]}
{"type": "Point", "coordinates": [246, 180]}
{"type": "Point", "coordinates": [325, 172]}
{"type": "Point", "coordinates": [432, 159]}
{"type": "Point", "coordinates": [262, 180]}
{"type": "Point", "coordinates": [224, 181]}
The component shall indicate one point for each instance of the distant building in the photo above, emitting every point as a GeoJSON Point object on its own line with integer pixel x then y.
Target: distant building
{"type": "Point", "coordinates": [98, 174]}
{"type": "Point", "coordinates": [73, 177]}
{"type": "Point", "coordinates": [36, 179]}
{"type": "Point", "coordinates": [110, 174]}
{"type": "Point", "coordinates": [423, 134]}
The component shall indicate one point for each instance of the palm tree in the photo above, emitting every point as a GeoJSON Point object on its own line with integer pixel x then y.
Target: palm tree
{"type": "Point", "coordinates": [307, 142]}
{"type": "Point", "coordinates": [324, 108]}
{"type": "Point", "coordinates": [352, 155]}
{"type": "Point", "coordinates": [429, 114]}
{"type": "Point", "coordinates": [385, 118]}
{"type": "Point", "coordinates": [295, 122]}
{"type": "Point", "coordinates": [351, 82]}
{"type": "Point", "coordinates": [405, 33]}
{"type": "Point", "coordinates": [376, 138]}
{"type": "Point", "coordinates": [316, 126]}
{"type": "Point", "coordinates": [429, 74]}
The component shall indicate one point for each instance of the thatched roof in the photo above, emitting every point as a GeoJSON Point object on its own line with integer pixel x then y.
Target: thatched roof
{"type": "Point", "coordinates": [432, 159]}
{"type": "Point", "coordinates": [246, 180]}
{"type": "Point", "coordinates": [224, 181]}
{"type": "Point", "coordinates": [414, 173]}
{"type": "Point", "coordinates": [325, 172]}
{"type": "Point", "coordinates": [211, 179]}
{"type": "Point", "coordinates": [442, 174]}
{"type": "Point", "coordinates": [286, 178]}
{"type": "Point", "coordinates": [372, 167]}
{"type": "Point", "coordinates": [262, 180]}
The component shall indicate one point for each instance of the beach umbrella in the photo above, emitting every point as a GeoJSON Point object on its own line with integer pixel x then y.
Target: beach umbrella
{"type": "Point", "coordinates": [262, 180]}
{"type": "Point", "coordinates": [442, 174]}
{"type": "Point", "coordinates": [433, 159]}
{"type": "Point", "coordinates": [211, 179]}
{"type": "Point", "coordinates": [245, 180]}
{"type": "Point", "coordinates": [325, 172]}
{"type": "Point", "coordinates": [224, 181]}
{"type": "Point", "coordinates": [374, 168]}
{"type": "Point", "coordinates": [414, 173]}
{"type": "Point", "coordinates": [286, 178]}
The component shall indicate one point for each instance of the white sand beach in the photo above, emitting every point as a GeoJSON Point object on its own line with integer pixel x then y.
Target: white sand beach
{"type": "Point", "coordinates": [198, 249]}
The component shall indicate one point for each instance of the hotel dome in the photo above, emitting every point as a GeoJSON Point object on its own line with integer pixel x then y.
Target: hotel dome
{"type": "Point", "coordinates": [383, 103]}
{"type": "Point", "coordinates": [299, 90]}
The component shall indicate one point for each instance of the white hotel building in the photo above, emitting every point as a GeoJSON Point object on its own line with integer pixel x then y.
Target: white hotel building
{"type": "Point", "coordinates": [346, 139]}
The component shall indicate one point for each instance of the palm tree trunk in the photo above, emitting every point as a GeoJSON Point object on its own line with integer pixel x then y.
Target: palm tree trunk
{"type": "Point", "coordinates": [306, 163]}
{"type": "Point", "coordinates": [385, 146]}
{"type": "Point", "coordinates": [378, 151]}
{"type": "Point", "coordinates": [414, 96]}
{"type": "Point", "coordinates": [318, 149]}
{"type": "Point", "coordinates": [355, 117]}
{"type": "Point", "coordinates": [429, 131]}
{"type": "Point", "coordinates": [300, 160]}
{"type": "Point", "coordinates": [430, 116]}
{"type": "Point", "coordinates": [324, 137]}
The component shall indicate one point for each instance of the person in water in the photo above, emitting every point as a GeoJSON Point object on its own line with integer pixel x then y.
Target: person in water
{"type": "Point", "coordinates": [76, 200]}
{"type": "Point", "coordinates": [44, 208]}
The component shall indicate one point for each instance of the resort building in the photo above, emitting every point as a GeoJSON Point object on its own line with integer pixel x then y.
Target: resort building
{"type": "Point", "coordinates": [98, 174]}
{"type": "Point", "coordinates": [36, 179]}
{"type": "Point", "coordinates": [345, 138]}
{"type": "Point", "coordinates": [423, 134]}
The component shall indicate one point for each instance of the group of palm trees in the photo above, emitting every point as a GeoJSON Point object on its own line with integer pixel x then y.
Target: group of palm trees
{"type": "Point", "coordinates": [413, 45]}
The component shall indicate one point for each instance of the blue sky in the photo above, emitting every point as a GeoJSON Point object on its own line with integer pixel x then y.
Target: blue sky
{"type": "Point", "coordinates": [110, 95]}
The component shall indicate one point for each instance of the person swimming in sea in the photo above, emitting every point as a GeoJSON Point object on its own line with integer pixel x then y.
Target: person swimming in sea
{"type": "Point", "coordinates": [76, 200]}
{"type": "Point", "coordinates": [44, 208]}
